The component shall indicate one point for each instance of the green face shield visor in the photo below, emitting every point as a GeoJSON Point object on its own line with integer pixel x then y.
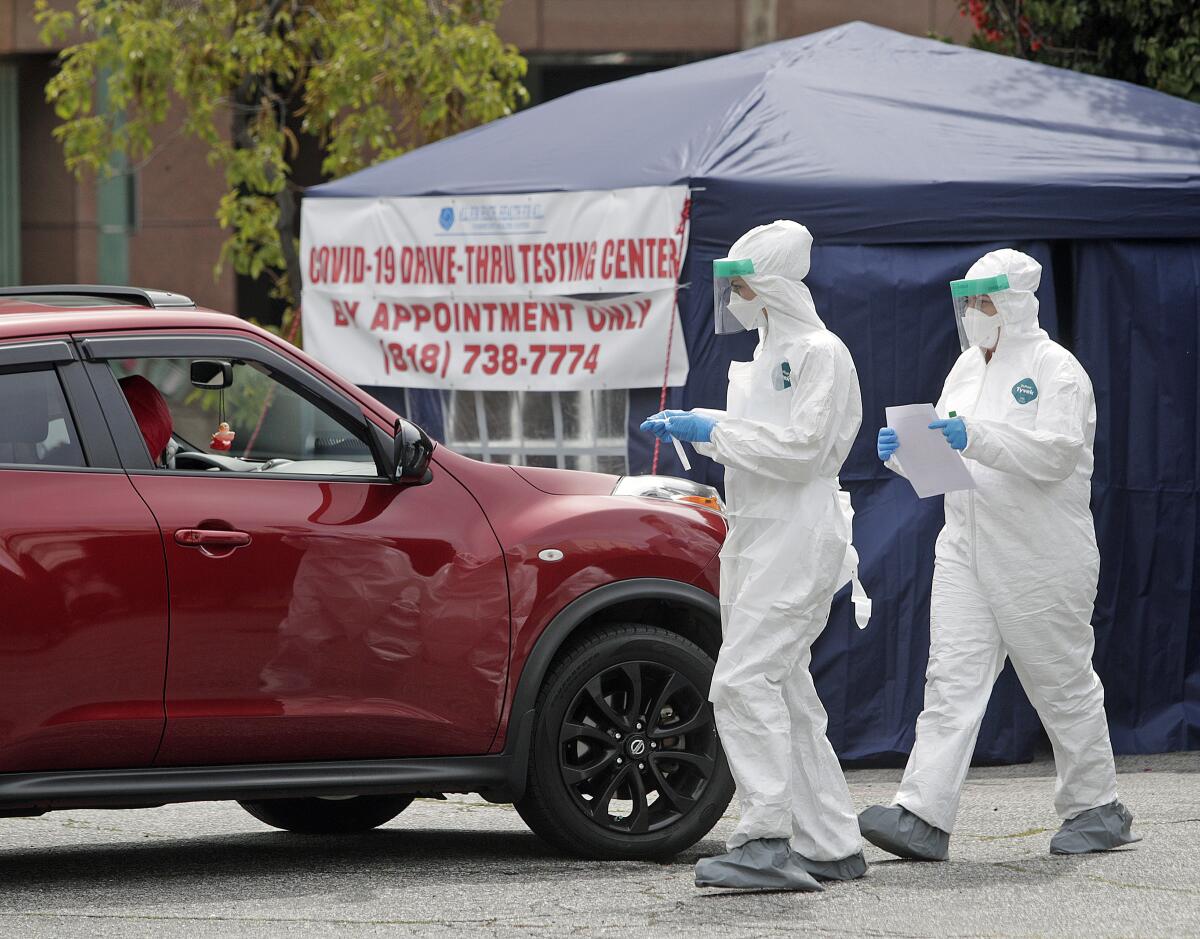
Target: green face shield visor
{"type": "Point", "coordinates": [734, 310]}
{"type": "Point", "coordinates": [975, 312]}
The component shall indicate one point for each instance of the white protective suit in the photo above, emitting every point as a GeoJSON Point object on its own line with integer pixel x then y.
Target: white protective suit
{"type": "Point", "coordinates": [1016, 564]}
{"type": "Point", "coordinates": [792, 413]}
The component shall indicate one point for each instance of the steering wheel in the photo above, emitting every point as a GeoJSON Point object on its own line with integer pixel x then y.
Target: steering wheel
{"type": "Point", "coordinates": [201, 461]}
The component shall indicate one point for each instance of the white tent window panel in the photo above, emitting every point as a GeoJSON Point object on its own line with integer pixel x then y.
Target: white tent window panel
{"type": "Point", "coordinates": [582, 430]}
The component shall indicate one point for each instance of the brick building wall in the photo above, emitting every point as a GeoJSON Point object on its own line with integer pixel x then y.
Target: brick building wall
{"type": "Point", "coordinates": [175, 241]}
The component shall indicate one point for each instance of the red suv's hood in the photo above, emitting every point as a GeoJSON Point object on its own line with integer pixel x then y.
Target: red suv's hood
{"type": "Point", "coordinates": [558, 482]}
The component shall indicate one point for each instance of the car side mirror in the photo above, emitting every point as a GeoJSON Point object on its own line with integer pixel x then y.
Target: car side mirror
{"type": "Point", "coordinates": [211, 374]}
{"type": "Point", "coordinates": [411, 452]}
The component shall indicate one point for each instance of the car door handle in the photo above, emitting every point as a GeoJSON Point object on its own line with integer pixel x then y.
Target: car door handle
{"type": "Point", "coordinates": [212, 542]}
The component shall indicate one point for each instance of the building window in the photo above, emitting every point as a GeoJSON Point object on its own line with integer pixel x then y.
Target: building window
{"type": "Point", "coordinates": [583, 430]}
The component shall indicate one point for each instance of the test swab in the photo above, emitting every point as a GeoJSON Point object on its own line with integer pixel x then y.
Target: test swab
{"type": "Point", "coordinates": [682, 456]}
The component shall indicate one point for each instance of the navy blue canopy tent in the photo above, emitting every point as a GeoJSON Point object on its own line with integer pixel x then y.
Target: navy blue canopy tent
{"type": "Point", "coordinates": [908, 159]}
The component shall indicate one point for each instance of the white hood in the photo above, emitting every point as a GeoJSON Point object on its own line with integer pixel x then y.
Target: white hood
{"type": "Point", "coordinates": [1017, 306]}
{"type": "Point", "coordinates": [780, 252]}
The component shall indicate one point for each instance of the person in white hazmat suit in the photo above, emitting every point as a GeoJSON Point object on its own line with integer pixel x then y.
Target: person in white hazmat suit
{"type": "Point", "coordinates": [791, 416]}
{"type": "Point", "coordinates": [1015, 571]}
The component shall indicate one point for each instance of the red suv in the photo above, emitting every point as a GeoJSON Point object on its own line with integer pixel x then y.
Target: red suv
{"type": "Point", "coordinates": [227, 573]}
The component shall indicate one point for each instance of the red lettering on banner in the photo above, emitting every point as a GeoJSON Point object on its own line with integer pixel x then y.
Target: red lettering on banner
{"type": "Point", "coordinates": [618, 316]}
{"type": "Point", "coordinates": [644, 309]}
{"type": "Point", "coordinates": [537, 263]}
{"type": "Point", "coordinates": [606, 260]}
{"type": "Point", "coordinates": [380, 320]}
{"type": "Point", "coordinates": [525, 249]}
{"type": "Point", "coordinates": [637, 264]}
{"type": "Point", "coordinates": [510, 316]}
{"type": "Point", "coordinates": [344, 312]}
{"type": "Point", "coordinates": [343, 264]}
{"type": "Point", "coordinates": [470, 317]}
{"type": "Point", "coordinates": [443, 322]}
{"type": "Point", "coordinates": [590, 262]}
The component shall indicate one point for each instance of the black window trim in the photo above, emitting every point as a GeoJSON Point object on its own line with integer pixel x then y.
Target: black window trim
{"type": "Point", "coordinates": [87, 421]}
{"type": "Point", "coordinates": [40, 353]}
{"type": "Point", "coordinates": [131, 448]}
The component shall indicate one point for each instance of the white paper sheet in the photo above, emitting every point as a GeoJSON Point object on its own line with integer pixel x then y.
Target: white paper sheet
{"type": "Point", "coordinates": [929, 463]}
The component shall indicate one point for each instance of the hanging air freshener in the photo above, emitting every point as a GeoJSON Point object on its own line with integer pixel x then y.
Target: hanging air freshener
{"type": "Point", "coordinates": [223, 438]}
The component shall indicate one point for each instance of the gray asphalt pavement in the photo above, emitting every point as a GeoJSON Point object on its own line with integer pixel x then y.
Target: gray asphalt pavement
{"type": "Point", "coordinates": [464, 867]}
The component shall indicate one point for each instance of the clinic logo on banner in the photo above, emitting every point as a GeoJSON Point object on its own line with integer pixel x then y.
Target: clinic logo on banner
{"type": "Point", "coordinates": [1024, 391]}
{"type": "Point", "coordinates": [446, 218]}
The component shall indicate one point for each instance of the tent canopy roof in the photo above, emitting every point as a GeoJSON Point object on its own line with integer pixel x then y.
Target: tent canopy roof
{"type": "Point", "coordinates": [912, 131]}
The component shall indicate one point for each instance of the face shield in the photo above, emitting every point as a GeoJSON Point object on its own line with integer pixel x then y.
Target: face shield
{"type": "Point", "coordinates": [975, 312]}
{"type": "Point", "coordinates": [734, 310]}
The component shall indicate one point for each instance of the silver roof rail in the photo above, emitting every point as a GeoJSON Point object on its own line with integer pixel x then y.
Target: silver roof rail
{"type": "Point", "coordinates": [77, 295]}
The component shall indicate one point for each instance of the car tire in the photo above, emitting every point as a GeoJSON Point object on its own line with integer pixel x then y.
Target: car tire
{"type": "Point", "coordinates": [330, 816]}
{"type": "Point", "coordinates": [625, 762]}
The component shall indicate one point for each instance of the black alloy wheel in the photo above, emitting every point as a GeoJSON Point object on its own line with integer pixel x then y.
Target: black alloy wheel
{"type": "Point", "coordinates": [626, 761]}
{"type": "Point", "coordinates": [637, 747]}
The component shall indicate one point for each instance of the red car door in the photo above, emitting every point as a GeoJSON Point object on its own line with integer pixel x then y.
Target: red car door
{"type": "Point", "coordinates": [83, 633]}
{"type": "Point", "coordinates": [317, 610]}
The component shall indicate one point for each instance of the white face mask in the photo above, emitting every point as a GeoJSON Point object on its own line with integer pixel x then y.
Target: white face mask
{"type": "Point", "coordinates": [982, 330]}
{"type": "Point", "coordinates": [750, 313]}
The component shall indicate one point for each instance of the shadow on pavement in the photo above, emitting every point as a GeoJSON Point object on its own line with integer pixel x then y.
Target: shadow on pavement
{"type": "Point", "coordinates": [277, 865]}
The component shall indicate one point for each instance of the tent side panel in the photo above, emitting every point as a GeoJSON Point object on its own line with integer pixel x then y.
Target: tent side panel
{"type": "Point", "coordinates": [1138, 334]}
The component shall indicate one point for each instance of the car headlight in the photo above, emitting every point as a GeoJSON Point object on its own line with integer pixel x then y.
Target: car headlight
{"type": "Point", "coordinates": [671, 489]}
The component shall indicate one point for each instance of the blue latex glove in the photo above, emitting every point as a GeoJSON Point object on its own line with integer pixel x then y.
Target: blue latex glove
{"type": "Point", "coordinates": [692, 427]}
{"type": "Point", "coordinates": [656, 427]}
{"type": "Point", "coordinates": [954, 430]}
{"type": "Point", "coordinates": [887, 443]}
{"type": "Point", "coordinates": [657, 423]}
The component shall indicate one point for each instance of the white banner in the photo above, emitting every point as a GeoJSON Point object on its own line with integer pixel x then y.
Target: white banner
{"type": "Point", "coordinates": [501, 343]}
{"type": "Point", "coordinates": [615, 241]}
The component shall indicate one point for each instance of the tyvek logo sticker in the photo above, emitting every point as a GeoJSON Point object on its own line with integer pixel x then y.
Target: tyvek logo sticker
{"type": "Point", "coordinates": [783, 376]}
{"type": "Point", "coordinates": [1024, 391]}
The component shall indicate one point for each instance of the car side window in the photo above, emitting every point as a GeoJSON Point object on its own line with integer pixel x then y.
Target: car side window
{"type": "Point", "coordinates": [237, 416]}
{"type": "Point", "coordinates": [36, 428]}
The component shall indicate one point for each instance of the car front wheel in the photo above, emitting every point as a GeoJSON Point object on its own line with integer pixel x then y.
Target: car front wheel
{"type": "Point", "coordinates": [626, 763]}
{"type": "Point", "coordinates": [328, 816]}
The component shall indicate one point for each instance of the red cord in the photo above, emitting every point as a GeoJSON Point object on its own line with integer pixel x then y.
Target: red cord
{"type": "Point", "coordinates": [680, 229]}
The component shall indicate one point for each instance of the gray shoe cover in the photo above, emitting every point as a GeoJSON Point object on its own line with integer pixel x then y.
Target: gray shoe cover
{"type": "Point", "coordinates": [848, 868]}
{"type": "Point", "coordinates": [762, 864]}
{"type": "Point", "coordinates": [1099, 829]}
{"type": "Point", "coordinates": [895, 829]}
